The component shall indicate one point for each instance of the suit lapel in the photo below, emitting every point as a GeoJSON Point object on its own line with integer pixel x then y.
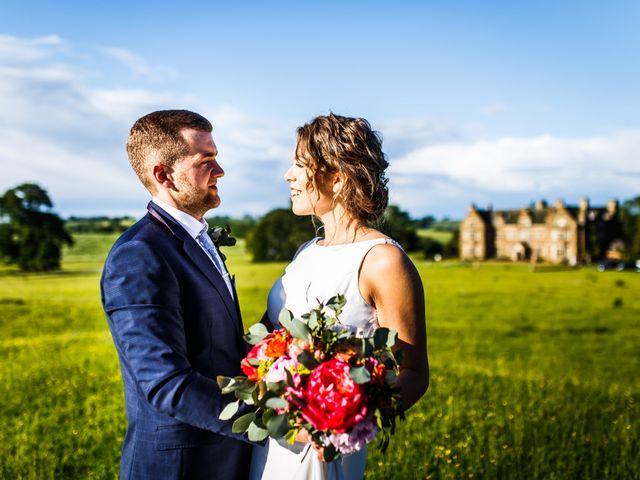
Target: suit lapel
{"type": "Point", "coordinates": [237, 305]}
{"type": "Point", "coordinates": [199, 258]}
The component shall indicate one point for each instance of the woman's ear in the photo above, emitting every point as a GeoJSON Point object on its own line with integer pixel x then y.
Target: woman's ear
{"type": "Point", "coordinates": [338, 182]}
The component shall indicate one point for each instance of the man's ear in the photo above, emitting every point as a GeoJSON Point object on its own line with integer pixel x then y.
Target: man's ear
{"type": "Point", "coordinates": [163, 176]}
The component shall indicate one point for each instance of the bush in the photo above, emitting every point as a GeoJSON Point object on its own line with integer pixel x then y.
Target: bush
{"type": "Point", "coordinates": [431, 247]}
{"type": "Point", "coordinates": [398, 225]}
{"type": "Point", "coordinates": [452, 248]}
{"type": "Point", "coordinates": [278, 235]}
{"type": "Point", "coordinates": [31, 236]}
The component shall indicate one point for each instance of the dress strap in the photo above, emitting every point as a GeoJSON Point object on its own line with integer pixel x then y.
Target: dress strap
{"type": "Point", "coordinates": [304, 246]}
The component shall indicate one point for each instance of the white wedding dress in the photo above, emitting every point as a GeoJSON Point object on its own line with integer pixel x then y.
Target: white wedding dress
{"type": "Point", "coordinates": [316, 274]}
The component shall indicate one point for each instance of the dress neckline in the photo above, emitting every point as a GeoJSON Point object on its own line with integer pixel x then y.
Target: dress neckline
{"type": "Point", "coordinates": [342, 245]}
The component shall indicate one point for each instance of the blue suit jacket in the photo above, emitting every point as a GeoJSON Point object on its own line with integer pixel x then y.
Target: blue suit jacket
{"type": "Point", "coordinates": [175, 328]}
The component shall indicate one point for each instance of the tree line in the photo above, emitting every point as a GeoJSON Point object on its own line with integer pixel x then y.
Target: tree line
{"type": "Point", "coordinates": [32, 234]}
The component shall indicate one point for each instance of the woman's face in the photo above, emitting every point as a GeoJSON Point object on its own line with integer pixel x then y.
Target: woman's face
{"type": "Point", "coordinates": [305, 200]}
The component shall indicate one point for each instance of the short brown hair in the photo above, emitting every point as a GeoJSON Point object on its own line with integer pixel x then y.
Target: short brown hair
{"type": "Point", "coordinates": [157, 137]}
{"type": "Point", "coordinates": [333, 143]}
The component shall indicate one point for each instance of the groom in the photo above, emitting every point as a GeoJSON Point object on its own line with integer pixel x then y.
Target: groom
{"type": "Point", "coordinates": [173, 312]}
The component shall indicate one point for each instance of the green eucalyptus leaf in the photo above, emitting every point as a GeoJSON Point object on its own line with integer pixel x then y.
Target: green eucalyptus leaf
{"type": "Point", "coordinates": [380, 337]}
{"type": "Point", "coordinates": [245, 392]}
{"type": "Point", "coordinates": [229, 411]}
{"type": "Point", "coordinates": [391, 339]}
{"type": "Point", "coordinates": [337, 303]}
{"type": "Point", "coordinates": [252, 339]}
{"type": "Point", "coordinates": [242, 423]}
{"type": "Point", "coordinates": [266, 416]}
{"type": "Point", "coordinates": [313, 320]}
{"type": "Point", "coordinates": [259, 329]}
{"type": "Point", "coordinates": [225, 383]}
{"type": "Point", "coordinates": [307, 359]}
{"type": "Point", "coordinates": [257, 433]}
{"type": "Point", "coordinates": [278, 425]}
{"type": "Point", "coordinates": [360, 374]}
{"type": "Point", "coordinates": [277, 387]}
{"type": "Point", "coordinates": [254, 362]}
{"type": "Point", "coordinates": [285, 318]}
{"type": "Point", "coordinates": [277, 402]}
{"type": "Point", "coordinates": [300, 329]}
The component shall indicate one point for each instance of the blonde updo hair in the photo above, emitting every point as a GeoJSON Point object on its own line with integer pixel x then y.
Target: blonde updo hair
{"type": "Point", "coordinates": [335, 144]}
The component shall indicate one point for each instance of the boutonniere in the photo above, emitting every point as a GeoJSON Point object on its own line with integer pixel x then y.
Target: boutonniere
{"type": "Point", "coordinates": [221, 237]}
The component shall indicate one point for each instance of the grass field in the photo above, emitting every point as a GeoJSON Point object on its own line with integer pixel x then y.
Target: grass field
{"type": "Point", "coordinates": [440, 236]}
{"type": "Point", "coordinates": [533, 374]}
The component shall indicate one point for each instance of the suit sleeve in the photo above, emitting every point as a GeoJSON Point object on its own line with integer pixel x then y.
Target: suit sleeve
{"type": "Point", "coordinates": [141, 298]}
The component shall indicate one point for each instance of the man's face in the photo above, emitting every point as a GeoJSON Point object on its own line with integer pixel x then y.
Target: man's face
{"type": "Point", "coordinates": [195, 176]}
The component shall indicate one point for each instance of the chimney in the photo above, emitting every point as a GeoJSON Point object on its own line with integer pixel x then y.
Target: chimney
{"type": "Point", "coordinates": [540, 205]}
{"type": "Point", "coordinates": [584, 209]}
{"type": "Point", "coordinates": [612, 207]}
{"type": "Point", "coordinates": [584, 203]}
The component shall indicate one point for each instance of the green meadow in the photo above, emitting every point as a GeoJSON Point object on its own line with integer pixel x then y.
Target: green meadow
{"type": "Point", "coordinates": [534, 374]}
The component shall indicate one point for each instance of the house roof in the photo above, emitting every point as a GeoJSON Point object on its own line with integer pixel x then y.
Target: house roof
{"type": "Point", "coordinates": [540, 215]}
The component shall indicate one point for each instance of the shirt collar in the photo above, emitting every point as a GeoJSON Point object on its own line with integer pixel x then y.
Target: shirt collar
{"type": "Point", "coordinates": [189, 223]}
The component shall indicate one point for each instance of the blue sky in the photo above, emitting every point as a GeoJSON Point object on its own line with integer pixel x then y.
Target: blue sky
{"type": "Point", "coordinates": [486, 102]}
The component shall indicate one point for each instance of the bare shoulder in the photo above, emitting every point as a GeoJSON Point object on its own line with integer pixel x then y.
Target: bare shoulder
{"type": "Point", "coordinates": [387, 268]}
{"type": "Point", "coordinates": [386, 258]}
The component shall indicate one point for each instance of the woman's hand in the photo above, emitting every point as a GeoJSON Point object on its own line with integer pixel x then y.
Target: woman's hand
{"type": "Point", "coordinates": [304, 436]}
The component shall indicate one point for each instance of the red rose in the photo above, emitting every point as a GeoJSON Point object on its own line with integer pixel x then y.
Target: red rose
{"type": "Point", "coordinates": [332, 400]}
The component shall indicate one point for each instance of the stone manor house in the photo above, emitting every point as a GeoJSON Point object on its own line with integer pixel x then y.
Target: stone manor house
{"type": "Point", "coordinates": [555, 234]}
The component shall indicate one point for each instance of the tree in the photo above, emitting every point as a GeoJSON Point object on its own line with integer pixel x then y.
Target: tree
{"type": "Point", "coordinates": [452, 247]}
{"type": "Point", "coordinates": [31, 235]}
{"type": "Point", "coordinates": [278, 235]}
{"type": "Point", "coordinates": [399, 226]}
{"type": "Point", "coordinates": [426, 222]}
{"type": "Point", "coordinates": [240, 227]}
{"type": "Point", "coordinates": [431, 247]}
{"type": "Point", "coordinates": [630, 219]}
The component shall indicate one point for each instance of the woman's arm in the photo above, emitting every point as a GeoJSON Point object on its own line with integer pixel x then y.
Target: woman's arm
{"type": "Point", "coordinates": [390, 282]}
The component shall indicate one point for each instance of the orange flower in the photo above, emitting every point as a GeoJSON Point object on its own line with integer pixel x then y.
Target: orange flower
{"type": "Point", "coordinates": [278, 344]}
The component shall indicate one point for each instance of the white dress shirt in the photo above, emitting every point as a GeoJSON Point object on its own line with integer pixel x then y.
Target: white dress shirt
{"type": "Point", "coordinates": [193, 228]}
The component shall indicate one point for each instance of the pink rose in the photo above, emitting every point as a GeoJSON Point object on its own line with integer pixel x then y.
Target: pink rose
{"type": "Point", "coordinates": [277, 372]}
{"type": "Point", "coordinates": [332, 400]}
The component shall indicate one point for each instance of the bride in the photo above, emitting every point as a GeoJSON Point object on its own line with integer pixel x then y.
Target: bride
{"type": "Point", "coordinates": [338, 176]}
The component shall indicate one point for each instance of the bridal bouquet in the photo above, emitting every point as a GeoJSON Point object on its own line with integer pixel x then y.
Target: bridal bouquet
{"type": "Point", "coordinates": [315, 374]}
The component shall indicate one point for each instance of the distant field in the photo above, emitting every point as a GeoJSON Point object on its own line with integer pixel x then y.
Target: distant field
{"type": "Point", "coordinates": [534, 374]}
{"type": "Point", "coordinates": [442, 237]}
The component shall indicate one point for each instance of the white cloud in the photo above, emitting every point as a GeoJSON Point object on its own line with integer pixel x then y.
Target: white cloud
{"type": "Point", "coordinates": [524, 168]}
{"type": "Point", "coordinates": [128, 103]}
{"type": "Point", "coordinates": [31, 49]}
{"type": "Point", "coordinates": [130, 59]}
{"type": "Point", "coordinates": [493, 108]}
{"type": "Point", "coordinates": [60, 130]}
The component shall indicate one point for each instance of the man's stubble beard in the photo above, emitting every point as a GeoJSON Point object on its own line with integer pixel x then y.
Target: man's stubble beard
{"type": "Point", "coordinates": [191, 199]}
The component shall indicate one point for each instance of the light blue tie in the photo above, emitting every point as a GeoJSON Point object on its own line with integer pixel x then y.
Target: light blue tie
{"type": "Point", "coordinates": [205, 240]}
